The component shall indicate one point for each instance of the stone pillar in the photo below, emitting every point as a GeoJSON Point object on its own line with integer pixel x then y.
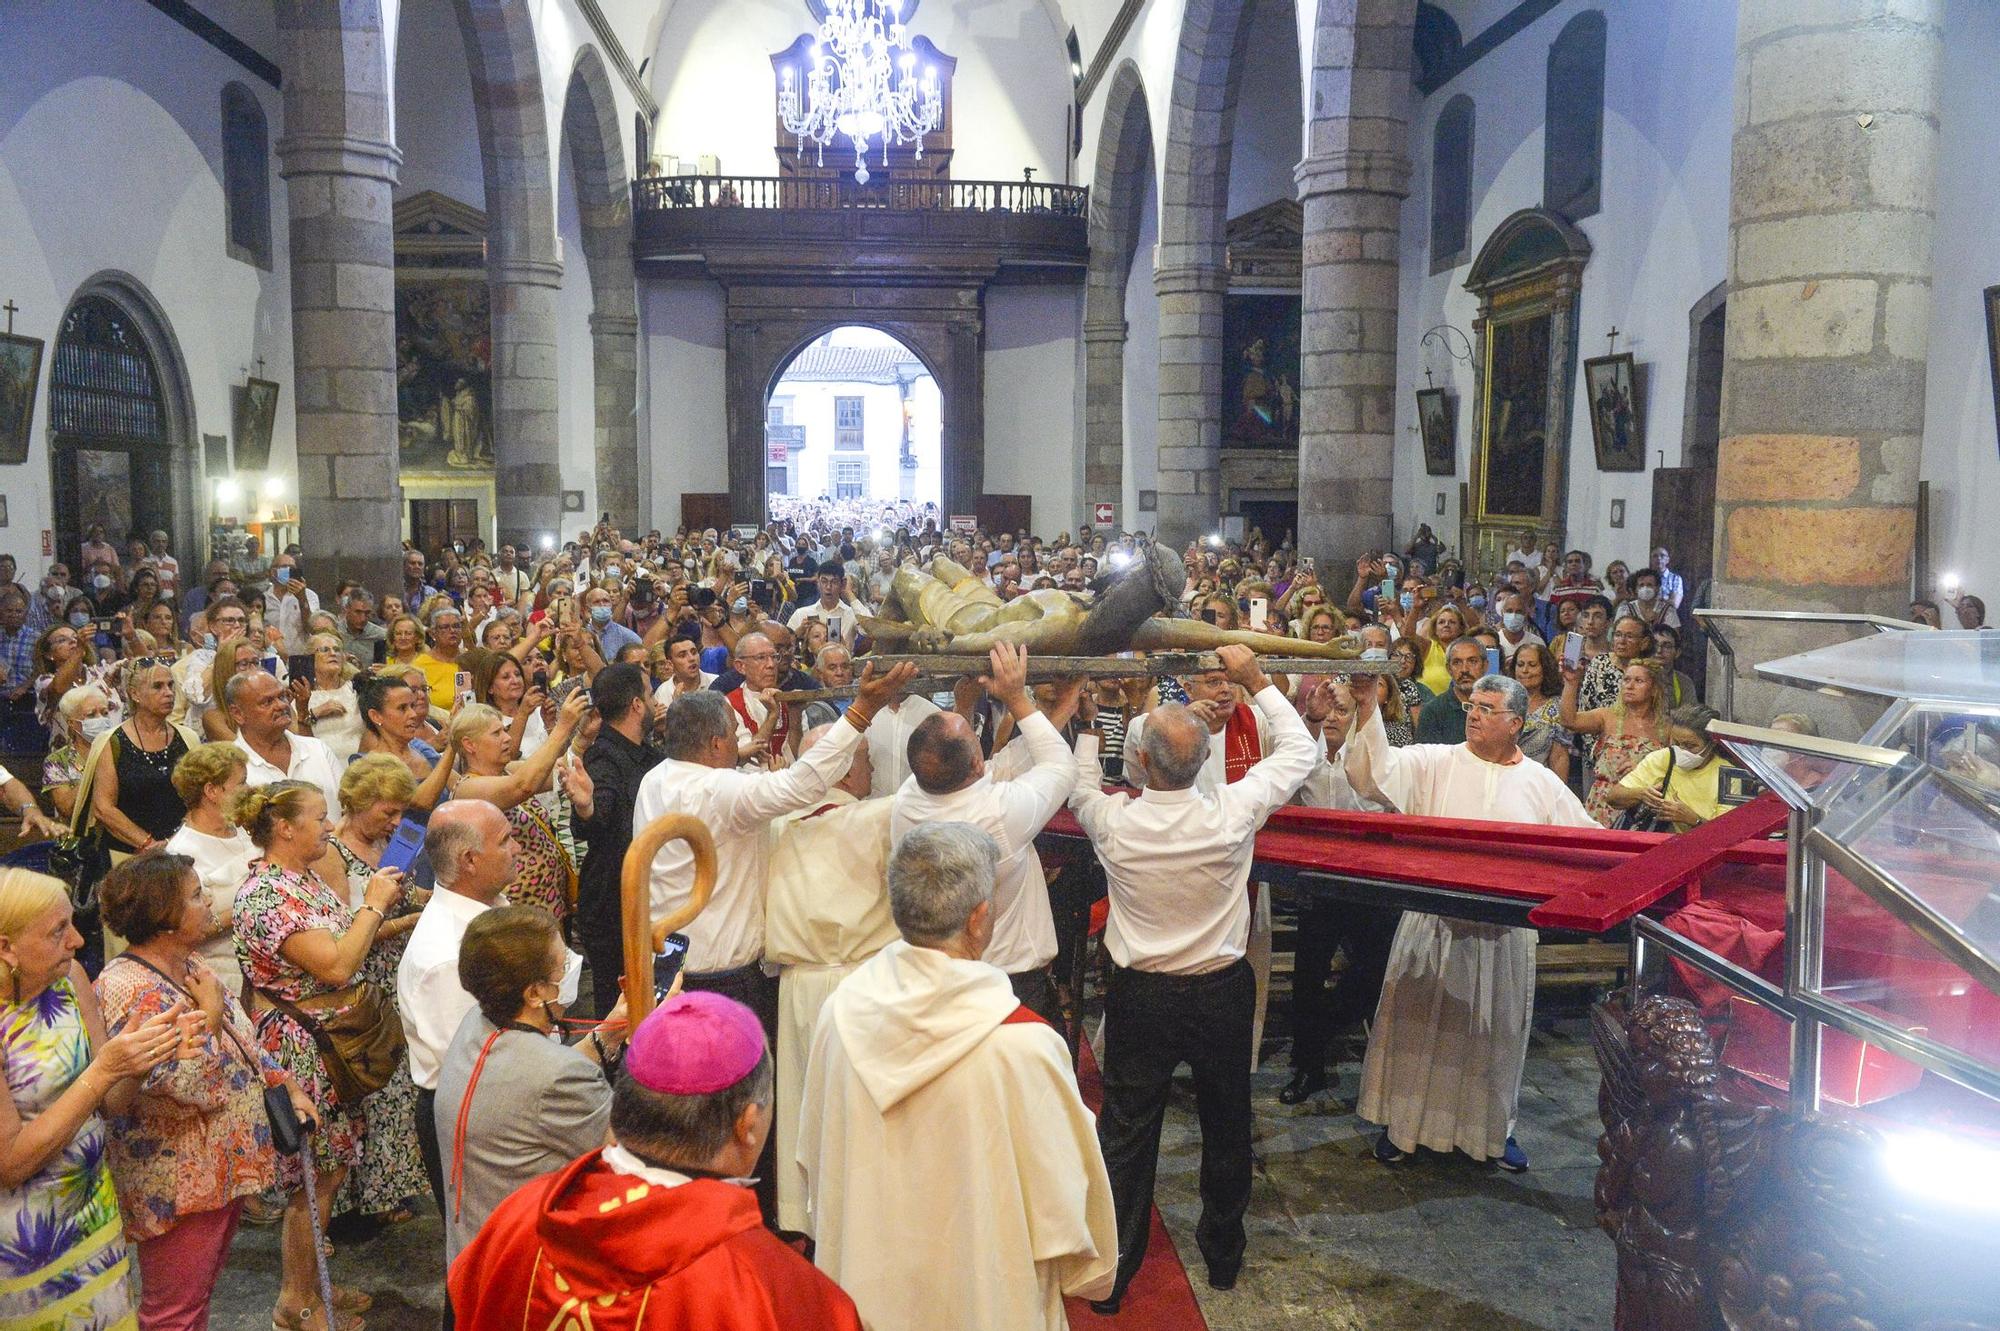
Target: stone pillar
{"type": "Point", "coordinates": [527, 466]}
{"type": "Point", "coordinates": [1832, 205]}
{"type": "Point", "coordinates": [614, 346]}
{"type": "Point", "coordinates": [1190, 479]}
{"type": "Point", "coordinates": [1104, 414]}
{"type": "Point", "coordinates": [339, 168]}
{"type": "Point", "coordinates": [1349, 291]}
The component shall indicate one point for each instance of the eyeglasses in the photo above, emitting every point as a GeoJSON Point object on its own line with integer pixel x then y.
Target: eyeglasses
{"type": "Point", "coordinates": [1486, 709]}
{"type": "Point", "coordinates": [757, 656]}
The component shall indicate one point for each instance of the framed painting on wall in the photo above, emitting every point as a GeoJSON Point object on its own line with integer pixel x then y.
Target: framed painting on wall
{"type": "Point", "coordinates": [256, 413]}
{"type": "Point", "coordinates": [1515, 459]}
{"type": "Point", "coordinates": [20, 373]}
{"type": "Point", "coordinates": [1617, 425]}
{"type": "Point", "coordinates": [444, 372]}
{"type": "Point", "coordinates": [1437, 420]}
{"type": "Point", "coordinates": [1260, 371]}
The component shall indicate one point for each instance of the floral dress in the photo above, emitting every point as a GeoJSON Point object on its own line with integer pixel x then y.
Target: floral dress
{"type": "Point", "coordinates": [1544, 732]}
{"type": "Point", "coordinates": [392, 1169]}
{"type": "Point", "coordinates": [64, 1264]}
{"type": "Point", "coordinates": [1617, 754]}
{"type": "Point", "coordinates": [273, 904]}
{"type": "Point", "coordinates": [196, 1137]}
{"type": "Point", "coordinates": [542, 869]}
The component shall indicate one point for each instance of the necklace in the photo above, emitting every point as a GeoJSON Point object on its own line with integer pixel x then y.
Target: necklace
{"type": "Point", "coordinates": [160, 759]}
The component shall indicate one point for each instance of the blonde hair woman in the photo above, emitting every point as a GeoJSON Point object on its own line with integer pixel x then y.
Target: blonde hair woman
{"type": "Point", "coordinates": [238, 656]}
{"type": "Point", "coordinates": [1627, 731]}
{"type": "Point", "coordinates": [336, 716]}
{"type": "Point", "coordinates": [405, 636]}
{"type": "Point", "coordinates": [128, 779]}
{"type": "Point", "coordinates": [207, 780]}
{"type": "Point", "coordinates": [544, 877]}
{"type": "Point", "coordinates": [62, 1068]}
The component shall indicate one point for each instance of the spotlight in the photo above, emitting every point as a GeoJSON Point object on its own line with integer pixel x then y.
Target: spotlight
{"type": "Point", "coordinates": [227, 491]}
{"type": "Point", "coordinates": [548, 542]}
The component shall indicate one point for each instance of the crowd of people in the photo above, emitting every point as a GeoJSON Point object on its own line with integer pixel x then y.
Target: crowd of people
{"type": "Point", "coordinates": [352, 857]}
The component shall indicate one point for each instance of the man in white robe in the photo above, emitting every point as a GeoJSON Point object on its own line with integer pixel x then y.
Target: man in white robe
{"type": "Point", "coordinates": [889, 741]}
{"type": "Point", "coordinates": [826, 910]}
{"type": "Point", "coordinates": [953, 1173]}
{"type": "Point", "coordinates": [1443, 1069]}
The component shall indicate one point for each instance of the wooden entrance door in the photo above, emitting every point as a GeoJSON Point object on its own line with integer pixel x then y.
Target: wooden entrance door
{"type": "Point", "coordinates": [436, 523]}
{"type": "Point", "coordinates": [1684, 522]}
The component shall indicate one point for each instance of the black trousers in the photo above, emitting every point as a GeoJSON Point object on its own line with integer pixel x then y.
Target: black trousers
{"type": "Point", "coordinates": [1319, 1013]}
{"type": "Point", "coordinates": [1152, 1024]}
{"type": "Point", "coordinates": [427, 1146]}
{"type": "Point", "coordinates": [757, 991]}
{"type": "Point", "coordinates": [1038, 994]}
{"type": "Point", "coordinates": [606, 958]}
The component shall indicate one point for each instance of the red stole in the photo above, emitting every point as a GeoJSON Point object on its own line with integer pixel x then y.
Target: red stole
{"type": "Point", "coordinates": [1241, 749]}
{"type": "Point", "coordinates": [781, 730]}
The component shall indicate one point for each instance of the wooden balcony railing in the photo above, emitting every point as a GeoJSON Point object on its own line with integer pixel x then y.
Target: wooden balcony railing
{"type": "Point", "coordinates": [655, 194]}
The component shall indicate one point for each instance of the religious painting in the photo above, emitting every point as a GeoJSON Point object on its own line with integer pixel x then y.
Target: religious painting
{"type": "Point", "coordinates": [20, 373]}
{"type": "Point", "coordinates": [1437, 420]}
{"type": "Point", "coordinates": [444, 374]}
{"type": "Point", "coordinates": [256, 413]}
{"type": "Point", "coordinates": [1260, 372]}
{"type": "Point", "coordinates": [1515, 460]}
{"type": "Point", "coordinates": [1611, 385]}
{"type": "Point", "coordinates": [104, 490]}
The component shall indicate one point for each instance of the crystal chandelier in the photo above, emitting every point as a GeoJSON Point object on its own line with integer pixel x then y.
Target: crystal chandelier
{"type": "Point", "coordinates": [861, 81]}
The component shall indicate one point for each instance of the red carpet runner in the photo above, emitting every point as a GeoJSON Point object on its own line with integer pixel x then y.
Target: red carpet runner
{"type": "Point", "coordinates": [1159, 1297]}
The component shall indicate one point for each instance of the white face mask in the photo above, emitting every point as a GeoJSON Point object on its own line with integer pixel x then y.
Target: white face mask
{"type": "Point", "coordinates": [571, 980]}
{"type": "Point", "coordinates": [93, 726]}
{"type": "Point", "coordinates": [1375, 653]}
{"type": "Point", "coordinates": [1647, 592]}
{"type": "Point", "coordinates": [1687, 759]}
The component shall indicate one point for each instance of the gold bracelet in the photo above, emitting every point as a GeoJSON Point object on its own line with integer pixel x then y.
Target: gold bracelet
{"type": "Point", "coordinates": [377, 909]}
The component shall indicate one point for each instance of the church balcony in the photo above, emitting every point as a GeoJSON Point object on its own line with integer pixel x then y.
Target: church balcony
{"type": "Point", "coordinates": [888, 231]}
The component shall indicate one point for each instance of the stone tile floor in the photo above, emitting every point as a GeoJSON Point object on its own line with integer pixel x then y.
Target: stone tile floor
{"type": "Point", "coordinates": [1336, 1240]}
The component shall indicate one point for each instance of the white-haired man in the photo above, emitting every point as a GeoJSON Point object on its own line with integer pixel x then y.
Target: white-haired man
{"type": "Point", "coordinates": [953, 1173]}
{"type": "Point", "coordinates": [1443, 1069]}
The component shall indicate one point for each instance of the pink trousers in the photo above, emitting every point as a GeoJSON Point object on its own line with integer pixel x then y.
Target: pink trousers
{"type": "Point", "coordinates": [178, 1270]}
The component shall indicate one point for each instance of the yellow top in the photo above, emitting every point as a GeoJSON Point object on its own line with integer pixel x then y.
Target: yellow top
{"type": "Point", "coordinates": [1699, 788]}
{"type": "Point", "coordinates": [1435, 677]}
{"type": "Point", "coordinates": [442, 677]}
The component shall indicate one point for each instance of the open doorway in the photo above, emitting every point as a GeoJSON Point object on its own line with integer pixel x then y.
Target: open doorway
{"type": "Point", "coordinates": [852, 430]}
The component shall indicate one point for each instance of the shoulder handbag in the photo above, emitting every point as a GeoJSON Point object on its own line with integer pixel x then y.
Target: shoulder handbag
{"type": "Point", "coordinates": [286, 1134]}
{"type": "Point", "coordinates": [357, 1032]}
{"type": "Point", "coordinates": [1639, 818]}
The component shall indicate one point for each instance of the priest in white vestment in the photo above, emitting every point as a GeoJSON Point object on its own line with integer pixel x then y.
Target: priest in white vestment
{"type": "Point", "coordinates": [953, 1172]}
{"type": "Point", "coordinates": [1443, 1069]}
{"type": "Point", "coordinates": [826, 910]}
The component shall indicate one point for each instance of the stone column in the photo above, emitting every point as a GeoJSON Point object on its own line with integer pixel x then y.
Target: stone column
{"type": "Point", "coordinates": [614, 345]}
{"type": "Point", "coordinates": [1104, 414]}
{"type": "Point", "coordinates": [527, 466]}
{"type": "Point", "coordinates": [1190, 480]}
{"type": "Point", "coordinates": [339, 168]}
{"type": "Point", "coordinates": [1349, 291]}
{"type": "Point", "coordinates": [1832, 205]}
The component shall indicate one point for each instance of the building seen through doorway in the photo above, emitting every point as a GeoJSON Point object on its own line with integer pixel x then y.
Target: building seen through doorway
{"type": "Point", "coordinates": [855, 416]}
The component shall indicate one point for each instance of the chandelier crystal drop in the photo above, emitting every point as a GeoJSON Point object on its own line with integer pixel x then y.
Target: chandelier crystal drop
{"type": "Point", "coordinates": [862, 80]}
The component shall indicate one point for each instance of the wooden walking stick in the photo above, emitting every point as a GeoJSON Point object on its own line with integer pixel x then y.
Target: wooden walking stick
{"type": "Point", "coordinates": [644, 936]}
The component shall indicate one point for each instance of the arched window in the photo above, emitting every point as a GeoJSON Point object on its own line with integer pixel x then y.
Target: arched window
{"type": "Point", "coordinates": [642, 141]}
{"type": "Point", "coordinates": [246, 175]}
{"type": "Point", "coordinates": [1451, 184]}
{"type": "Point", "coordinates": [1573, 142]}
{"type": "Point", "coordinates": [111, 459]}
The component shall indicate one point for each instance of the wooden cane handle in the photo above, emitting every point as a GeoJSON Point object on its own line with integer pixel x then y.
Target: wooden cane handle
{"type": "Point", "coordinates": [644, 936]}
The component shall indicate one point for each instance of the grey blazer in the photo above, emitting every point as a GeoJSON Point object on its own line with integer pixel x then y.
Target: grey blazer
{"type": "Point", "coordinates": [538, 1105]}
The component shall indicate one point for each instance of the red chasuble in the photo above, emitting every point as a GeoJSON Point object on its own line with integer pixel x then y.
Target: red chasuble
{"type": "Point", "coordinates": [781, 729]}
{"type": "Point", "coordinates": [1241, 749]}
{"type": "Point", "coordinates": [590, 1248]}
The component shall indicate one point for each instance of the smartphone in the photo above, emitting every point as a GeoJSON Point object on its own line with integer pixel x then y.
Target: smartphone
{"type": "Point", "coordinates": [270, 663]}
{"type": "Point", "coordinates": [404, 844]}
{"type": "Point", "coordinates": [1492, 660]}
{"type": "Point", "coordinates": [381, 650]}
{"type": "Point", "coordinates": [1260, 610]}
{"type": "Point", "coordinates": [462, 682]}
{"type": "Point", "coordinates": [284, 574]}
{"type": "Point", "coordinates": [667, 964]}
{"type": "Point", "coordinates": [1387, 592]}
{"type": "Point", "coordinates": [299, 665]}
{"type": "Point", "coordinates": [542, 679]}
{"type": "Point", "coordinates": [1573, 651]}
{"type": "Point", "coordinates": [1306, 564]}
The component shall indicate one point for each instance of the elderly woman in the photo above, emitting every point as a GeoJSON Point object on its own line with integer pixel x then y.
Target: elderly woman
{"type": "Point", "coordinates": [299, 943]}
{"type": "Point", "coordinates": [238, 656]}
{"type": "Point", "coordinates": [1604, 674]}
{"type": "Point", "coordinates": [1682, 783]}
{"type": "Point", "coordinates": [65, 1263]}
{"type": "Point", "coordinates": [335, 713]}
{"type": "Point", "coordinates": [65, 658]}
{"type": "Point", "coordinates": [86, 714]}
{"type": "Point", "coordinates": [375, 792]}
{"type": "Point", "coordinates": [1625, 732]}
{"type": "Point", "coordinates": [512, 1103]}
{"type": "Point", "coordinates": [207, 779]}
{"type": "Point", "coordinates": [1320, 624]}
{"type": "Point", "coordinates": [195, 1140]}
{"type": "Point", "coordinates": [405, 637]}
{"type": "Point", "coordinates": [129, 775]}
{"type": "Point", "coordinates": [544, 876]}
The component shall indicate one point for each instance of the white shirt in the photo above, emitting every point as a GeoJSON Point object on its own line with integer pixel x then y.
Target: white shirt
{"type": "Point", "coordinates": [286, 613]}
{"type": "Point", "coordinates": [1451, 781]}
{"type": "Point", "coordinates": [429, 998]}
{"type": "Point", "coordinates": [842, 622]}
{"type": "Point", "coordinates": [736, 807]}
{"type": "Point", "coordinates": [311, 761]}
{"type": "Point", "coordinates": [1012, 812]}
{"type": "Point", "coordinates": [889, 743]}
{"type": "Point", "coordinates": [221, 863]}
{"type": "Point", "coordinates": [1177, 862]}
{"type": "Point", "coordinates": [1214, 774]}
{"type": "Point", "coordinates": [669, 691]}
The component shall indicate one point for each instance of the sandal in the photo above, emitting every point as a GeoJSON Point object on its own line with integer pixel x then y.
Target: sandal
{"type": "Point", "coordinates": [346, 1300]}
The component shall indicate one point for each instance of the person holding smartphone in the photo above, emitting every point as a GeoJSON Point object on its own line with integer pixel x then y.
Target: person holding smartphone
{"type": "Point", "coordinates": [290, 605]}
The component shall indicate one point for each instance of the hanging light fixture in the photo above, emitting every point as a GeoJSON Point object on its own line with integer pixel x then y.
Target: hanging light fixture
{"type": "Point", "coordinates": [862, 80]}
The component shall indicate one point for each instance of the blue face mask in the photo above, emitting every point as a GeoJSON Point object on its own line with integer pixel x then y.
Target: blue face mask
{"type": "Point", "coordinates": [1512, 621]}
{"type": "Point", "coordinates": [1477, 602]}
{"type": "Point", "coordinates": [1407, 600]}
{"type": "Point", "coordinates": [78, 618]}
{"type": "Point", "coordinates": [600, 614]}
{"type": "Point", "coordinates": [208, 641]}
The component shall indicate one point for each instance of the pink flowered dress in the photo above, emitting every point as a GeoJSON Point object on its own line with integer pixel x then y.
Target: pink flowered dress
{"type": "Point", "coordinates": [1617, 754]}
{"type": "Point", "coordinates": [271, 906]}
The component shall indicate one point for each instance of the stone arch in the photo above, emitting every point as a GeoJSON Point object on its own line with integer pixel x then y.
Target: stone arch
{"type": "Point", "coordinates": [522, 269]}
{"type": "Point", "coordinates": [604, 199]}
{"type": "Point", "coordinates": [339, 162]}
{"type": "Point", "coordinates": [1117, 197]}
{"type": "Point", "coordinates": [1352, 184]}
{"type": "Point", "coordinates": [175, 459]}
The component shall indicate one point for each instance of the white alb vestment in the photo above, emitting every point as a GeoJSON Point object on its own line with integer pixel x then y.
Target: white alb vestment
{"type": "Point", "coordinates": [1444, 1061]}
{"type": "Point", "coordinates": [826, 910]}
{"type": "Point", "coordinates": [889, 742]}
{"type": "Point", "coordinates": [953, 1173]}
